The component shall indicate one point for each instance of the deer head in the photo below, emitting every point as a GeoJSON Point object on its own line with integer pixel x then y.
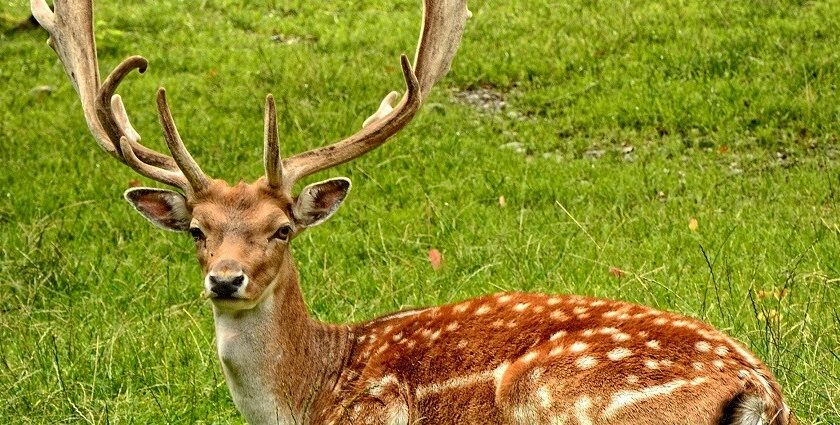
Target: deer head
{"type": "Point", "coordinates": [242, 233]}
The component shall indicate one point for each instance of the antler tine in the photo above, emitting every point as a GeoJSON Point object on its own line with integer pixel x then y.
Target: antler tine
{"type": "Point", "coordinates": [198, 181]}
{"type": "Point", "coordinates": [108, 119]}
{"type": "Point", "coordinates": [273, 163]}
{"type": "Point", "coordinates": [171, 178]}
{"type": "Point", "coordinates": [43, 14]}
{"type": "Point", "coordinates": [71, 36]}
{"type": "Point", "coordinates": [443, 25]}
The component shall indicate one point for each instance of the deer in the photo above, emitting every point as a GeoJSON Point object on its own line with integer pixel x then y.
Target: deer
{"type": "Point", "coordinates": [507, 358]}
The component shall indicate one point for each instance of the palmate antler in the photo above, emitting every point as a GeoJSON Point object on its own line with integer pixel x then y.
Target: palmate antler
{"type": "Point", "coordinates": [71, 30]}
{"type": "Point", "coordinates": [71, 36]}
{"type": "Point", "coordinates": [443, 25]}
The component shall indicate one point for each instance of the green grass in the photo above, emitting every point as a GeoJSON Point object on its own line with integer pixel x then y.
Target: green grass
{"type": "Point", "coordinates": [731, 110]}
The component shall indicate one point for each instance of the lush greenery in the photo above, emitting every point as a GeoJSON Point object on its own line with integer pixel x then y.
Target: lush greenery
{"type": "Point", "coordinates": [681, 154]}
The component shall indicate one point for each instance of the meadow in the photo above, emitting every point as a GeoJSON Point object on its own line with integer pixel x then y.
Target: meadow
{"type": "Point", "coordinates": [682, 154]}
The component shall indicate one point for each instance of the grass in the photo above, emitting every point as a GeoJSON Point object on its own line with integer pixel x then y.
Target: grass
{"type": "Point", "coordinates": [623, 122]}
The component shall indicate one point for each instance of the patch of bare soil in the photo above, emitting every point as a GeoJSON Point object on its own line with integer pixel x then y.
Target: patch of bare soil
{"type": "Point", "coordinates": [484, 99]}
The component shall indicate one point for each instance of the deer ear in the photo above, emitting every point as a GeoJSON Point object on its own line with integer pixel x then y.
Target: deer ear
{"type": "Point", "coordinates": [319, 201]}
{"type": "Point", "coordinates": [164, 208]}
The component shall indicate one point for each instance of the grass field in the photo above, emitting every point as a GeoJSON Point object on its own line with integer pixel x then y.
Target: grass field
{"type": "Point", "coordinates": [680, 154]}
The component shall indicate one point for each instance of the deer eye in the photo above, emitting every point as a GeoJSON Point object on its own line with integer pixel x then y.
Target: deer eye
{"type": "Point", "coordinates": [197, 234]}
{"type": "Point", "coordinates": [282, 233]}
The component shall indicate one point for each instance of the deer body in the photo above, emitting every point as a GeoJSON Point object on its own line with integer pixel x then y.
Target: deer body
{"type": "Point", "coordinates": [511, 358]}
{"type": "Point", "coordinates": [507, 358]}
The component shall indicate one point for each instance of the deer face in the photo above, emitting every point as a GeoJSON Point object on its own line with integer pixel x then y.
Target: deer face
{"type": "Point", "coordinates": [242, 233]}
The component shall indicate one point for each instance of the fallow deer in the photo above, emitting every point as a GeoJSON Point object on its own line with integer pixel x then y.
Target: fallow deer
{"type": "Point", "coordinates": [508, 358]}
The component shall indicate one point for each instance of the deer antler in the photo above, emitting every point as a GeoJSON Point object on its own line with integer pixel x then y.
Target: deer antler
{"type": "Point", "coordinates": [71, 36]}
{"type": "Point", "coordinates": [443, 25]}
{"type": "Point", "coordinates": [71, 31]}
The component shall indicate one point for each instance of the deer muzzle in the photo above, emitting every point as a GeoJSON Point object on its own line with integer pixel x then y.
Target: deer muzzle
{"type": "Point", "coordinates": [226, 280]}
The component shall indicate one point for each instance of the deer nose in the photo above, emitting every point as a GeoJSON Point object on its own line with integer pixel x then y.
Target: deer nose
{"type": "Point", "coordinates": [225, 278]}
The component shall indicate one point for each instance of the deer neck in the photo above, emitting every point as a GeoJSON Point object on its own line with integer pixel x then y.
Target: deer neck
{"type": "Point", "coordinates": [279, 363]}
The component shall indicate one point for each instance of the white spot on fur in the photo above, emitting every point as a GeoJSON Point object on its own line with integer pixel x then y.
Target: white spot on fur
{"type": "Point", "coordinates": [545, 396]}
{"type": "Point", "coordinates": [580, 310]}
{"type": "Point", "coordinates": [581, 409]}
{"type": "Point", "coordinates": [598, 303]}
{"type": "Point", "coordinates": [557, 335]}
{"type": "Point", "coordinates": [624, 399]}
{"type": "Point", "coordinates": [718, 364]}
{"type": "Point", "coordinates": [609, 331]}
{"type": "Point", "coordinates": [556, 351]}
{"type": "Point", "coordinates": [504, 298]}
{"type": "Point", "coordinates": [619, 353]}
{"type": "Point", "coordinates": [553, 301]}
{"type": "Point", "coordinates": [520, 307]}
{"type": "Point", "coordinates": [456, 382]}
{"type": "Point", "coordinates": [721, 351]}
{"type": "Point", "coordinates": [397, 337]}
{"type": "Point", "coordinates": [651, 364]}
{"type": "Point", "coordinates": [559, 315]}
{"type": "Point", "coordinates": [653, 344]}
{"type": "Point", "coordinates": [588, 333]}
{"type": "Point", "coordinates": [698, 380]}
{"type": "Point", "coordinates": [575, 299]}
{"type": "Point", "coordinates": [702, 346]}
{"type": "Point", "coordinates": [483, 309]}
{"type": "Point", "coordinates": [698, 366]}
{"type": "Point", "coordinates": [710, 335]}
{"type": "Point", "coordinates": [579, 346]}
{"type": "Point", "coordinates": [539, 309]}
{"type": "Point", "coordinates": [586, 362]}
{"type": "Point", "coordinates": [529, 357]}
{"type": "Point", "coordinates": [452, 326]}
{"type": "Point", "coordinates": [610, 314]}
{"type": "Point", "coordinates": [632, 379]}
{"type": "Point", "coordinates": [620, 337]}
{"type": "Point", "coordinates": [536, 374]}
{"type": "Point", "coordinates": [660, 321]}
{"type": "Point", "coordinates": [460, 308]}
{"type": "Point", "coordinates": [400, 315]}
{"type": "Point", "coordinates": [499, 373]}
